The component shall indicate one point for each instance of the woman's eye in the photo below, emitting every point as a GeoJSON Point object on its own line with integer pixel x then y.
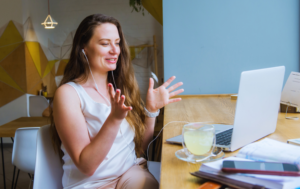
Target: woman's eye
{"type": "Point", "coordinates": [117, 43]}
{"type": "Point", "coordinates": [104, 44]}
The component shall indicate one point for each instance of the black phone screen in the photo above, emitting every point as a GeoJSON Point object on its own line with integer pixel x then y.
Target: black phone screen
{"type": "Point", "coordinates": [264, 166]}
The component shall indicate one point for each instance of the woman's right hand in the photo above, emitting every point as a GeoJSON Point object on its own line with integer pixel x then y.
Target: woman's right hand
{"type": "Point", "coordinates": [118, 109]}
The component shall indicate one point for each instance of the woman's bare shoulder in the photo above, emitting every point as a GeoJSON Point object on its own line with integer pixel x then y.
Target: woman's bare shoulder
{"type": "Point", "coordinates": [65, 88]}
{"type": "Point", "coordinates": [66, 94]}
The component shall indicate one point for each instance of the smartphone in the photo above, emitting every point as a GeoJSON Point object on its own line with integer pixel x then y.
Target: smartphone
{"type": "Point", "coordinates": [255, 167]}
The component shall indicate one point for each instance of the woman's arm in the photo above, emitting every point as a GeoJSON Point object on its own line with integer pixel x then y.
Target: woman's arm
{"type": "Point", "coordinates": [155, 100]}
{"type": "Point", "coordinates": [70, 123]}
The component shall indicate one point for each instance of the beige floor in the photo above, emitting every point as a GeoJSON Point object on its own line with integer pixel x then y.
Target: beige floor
{"type": "Point", "coordinates": [23, 180]}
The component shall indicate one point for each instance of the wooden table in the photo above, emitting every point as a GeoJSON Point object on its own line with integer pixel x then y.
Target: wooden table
{"type": "Point", "coordinates": [219, 109]}
{"type": "Point", "coordinates": [9, 129]}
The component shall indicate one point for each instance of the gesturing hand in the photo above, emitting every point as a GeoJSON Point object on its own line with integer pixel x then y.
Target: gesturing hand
{"type": "Point", "coordinates": [159, 97]}
{"type": "Point", "coordinates": [118, 108]}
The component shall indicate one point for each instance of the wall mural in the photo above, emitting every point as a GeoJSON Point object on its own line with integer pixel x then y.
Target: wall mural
{"type": "Point", "coordinates": [24, 66]}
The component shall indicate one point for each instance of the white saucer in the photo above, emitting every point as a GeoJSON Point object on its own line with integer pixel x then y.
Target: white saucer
{"type": "Point", "coordinates": [180, 154]}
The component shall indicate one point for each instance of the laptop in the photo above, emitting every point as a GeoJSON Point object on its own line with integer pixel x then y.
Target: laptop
{"type": "Point", "coordinates": [256, 109]}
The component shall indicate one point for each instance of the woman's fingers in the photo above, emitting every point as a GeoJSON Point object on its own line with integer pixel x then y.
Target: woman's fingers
{"type": "Point", "coordinates": [122, 100]}
{"type": "Point", "coordinates": [111, 91]}
{"type": "Point", "coordinates": [168, 82]}
{"type": "Point", "coordinates": [118, 108]}
{"type": "Point", "coordinates": [117, 95]}
{"type": "Point", "coordinates": [151, 84]}
{"type": "Point", "coordinates": [174, 100]}
{"type": "Point", "coordinates": [127, 108]}
{"type": "Point", "coordinates": [123, 105]}
{"type": "Point", "coordinates": [175, 93]}
{"type": "Point", "coordinates": [174, 86]}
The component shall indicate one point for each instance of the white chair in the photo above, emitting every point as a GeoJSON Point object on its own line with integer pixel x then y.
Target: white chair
{"type": "Point", "coordinates": [24, 151]}
{"type": "Point", "coordinates": [37, 104]}
{"type": "Point", "coordinates": [48, 167]}
{"type": "Point", "coordinates": [154, 169]}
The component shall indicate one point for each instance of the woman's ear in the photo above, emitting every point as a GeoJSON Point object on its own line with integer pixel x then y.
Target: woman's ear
{"type": "Point", "coordinates": [83, 51]}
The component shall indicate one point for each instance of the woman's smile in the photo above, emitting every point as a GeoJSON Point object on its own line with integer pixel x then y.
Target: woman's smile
{"type": "Point", "coordinates": [111, 60]}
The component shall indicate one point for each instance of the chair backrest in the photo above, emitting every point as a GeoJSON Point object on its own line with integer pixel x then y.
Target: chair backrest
{"type": "Point", "coordinates": [37, 104]}
{"type": "Point", "coordinates": [48, 167]}
{"type": "Point", "coordinates": [24, 149]}
{"type": "Point", "coordinates": [154, 169]}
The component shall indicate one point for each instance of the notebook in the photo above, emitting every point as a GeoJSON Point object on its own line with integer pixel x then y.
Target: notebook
{"type": "Point", "coordinates": [256, 109]}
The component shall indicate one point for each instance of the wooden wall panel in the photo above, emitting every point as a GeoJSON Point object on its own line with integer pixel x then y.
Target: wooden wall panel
{"type": "Point", "coordinates": [5, 78]}
{"type": "Point", "coordinates": [8, 94]}
{"type": "Point", "coordinates": [15, 66]}
{"type": "Point", "coordinates": [49, 81]}
{"type": "Point", "coordinates": [6, 50]}
{"type": "Point", "coordinates": [61, 68]}
{"type": "Point", "coordinates": [34, 51]}
{"type": "Point", "coordinates": [35, 88]}
{"type": "Point", "coordinates": [49, 67]}
{"type": "Point", "coordinates": [32, 74]}
{"type": "Point", "coordinates": [9, 40]}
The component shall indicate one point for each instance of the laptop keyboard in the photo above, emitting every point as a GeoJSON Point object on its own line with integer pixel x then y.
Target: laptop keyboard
{"type": "Point", "coordinates": [224, 138]}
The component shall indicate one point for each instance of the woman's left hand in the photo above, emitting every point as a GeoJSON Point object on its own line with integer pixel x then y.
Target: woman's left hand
{"type": "Point", "coordinates": [159, 97]}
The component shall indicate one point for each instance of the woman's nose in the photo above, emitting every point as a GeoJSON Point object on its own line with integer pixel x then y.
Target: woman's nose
{"type": "Point", "coordinates": [114, 49]}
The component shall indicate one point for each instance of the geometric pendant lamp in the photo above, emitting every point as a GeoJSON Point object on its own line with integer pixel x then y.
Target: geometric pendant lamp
{"type": "Point", "coordinates": [49, 23]}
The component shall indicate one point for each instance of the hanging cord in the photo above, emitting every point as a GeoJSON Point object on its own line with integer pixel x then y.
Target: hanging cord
{"type": "Point", "coordinates": [159, 134]}
{"type": "Point", "coordinates": [48, 8]}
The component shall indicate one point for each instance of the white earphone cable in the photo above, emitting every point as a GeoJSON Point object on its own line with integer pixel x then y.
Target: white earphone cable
{"type": "Point", "coordinates": [160, 132]}
{"type": "Point", "coordinates": [94, 79]}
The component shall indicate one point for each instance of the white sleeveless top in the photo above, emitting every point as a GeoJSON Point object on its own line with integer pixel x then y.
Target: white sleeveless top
{"type": "Point", "coordinates": [118, 160]}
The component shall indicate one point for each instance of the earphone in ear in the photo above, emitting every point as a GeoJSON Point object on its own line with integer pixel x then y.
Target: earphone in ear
{"type": "Point", "coordinates": [83, 51]}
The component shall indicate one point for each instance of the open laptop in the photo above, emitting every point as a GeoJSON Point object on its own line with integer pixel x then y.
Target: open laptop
{"type": "Point", "coordinates": [256, 109]}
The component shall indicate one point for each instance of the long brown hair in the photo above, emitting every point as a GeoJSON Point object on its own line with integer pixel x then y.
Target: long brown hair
{"type": "Point", "coordinates": [124, 77]}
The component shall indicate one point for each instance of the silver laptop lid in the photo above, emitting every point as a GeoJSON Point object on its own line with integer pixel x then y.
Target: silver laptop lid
{"type": "Point", "coordinates": [257, 105]}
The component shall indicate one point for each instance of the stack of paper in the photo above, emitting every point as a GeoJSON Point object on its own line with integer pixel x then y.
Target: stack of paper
{"type": "Point", "coordinates": [271, 150]}
{"type": "Point", "coordinates": [265, 150]}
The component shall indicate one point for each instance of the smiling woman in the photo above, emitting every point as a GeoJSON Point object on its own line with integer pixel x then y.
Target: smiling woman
{"type": "Point", "coordinates": [103, 48]}
{"type": "Point", "coordinates": [98, 131]}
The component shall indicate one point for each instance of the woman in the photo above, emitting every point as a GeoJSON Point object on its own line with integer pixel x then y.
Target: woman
{"type": "Point", "coordinates": [99, 132]}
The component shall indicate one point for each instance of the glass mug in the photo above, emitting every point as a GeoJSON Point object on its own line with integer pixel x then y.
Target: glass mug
{"type": "Point", "coordinates": [199, 141]}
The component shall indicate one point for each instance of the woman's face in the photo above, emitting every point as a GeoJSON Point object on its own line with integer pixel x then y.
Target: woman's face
{"type": "Point", "coordinates": [103, 48]}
